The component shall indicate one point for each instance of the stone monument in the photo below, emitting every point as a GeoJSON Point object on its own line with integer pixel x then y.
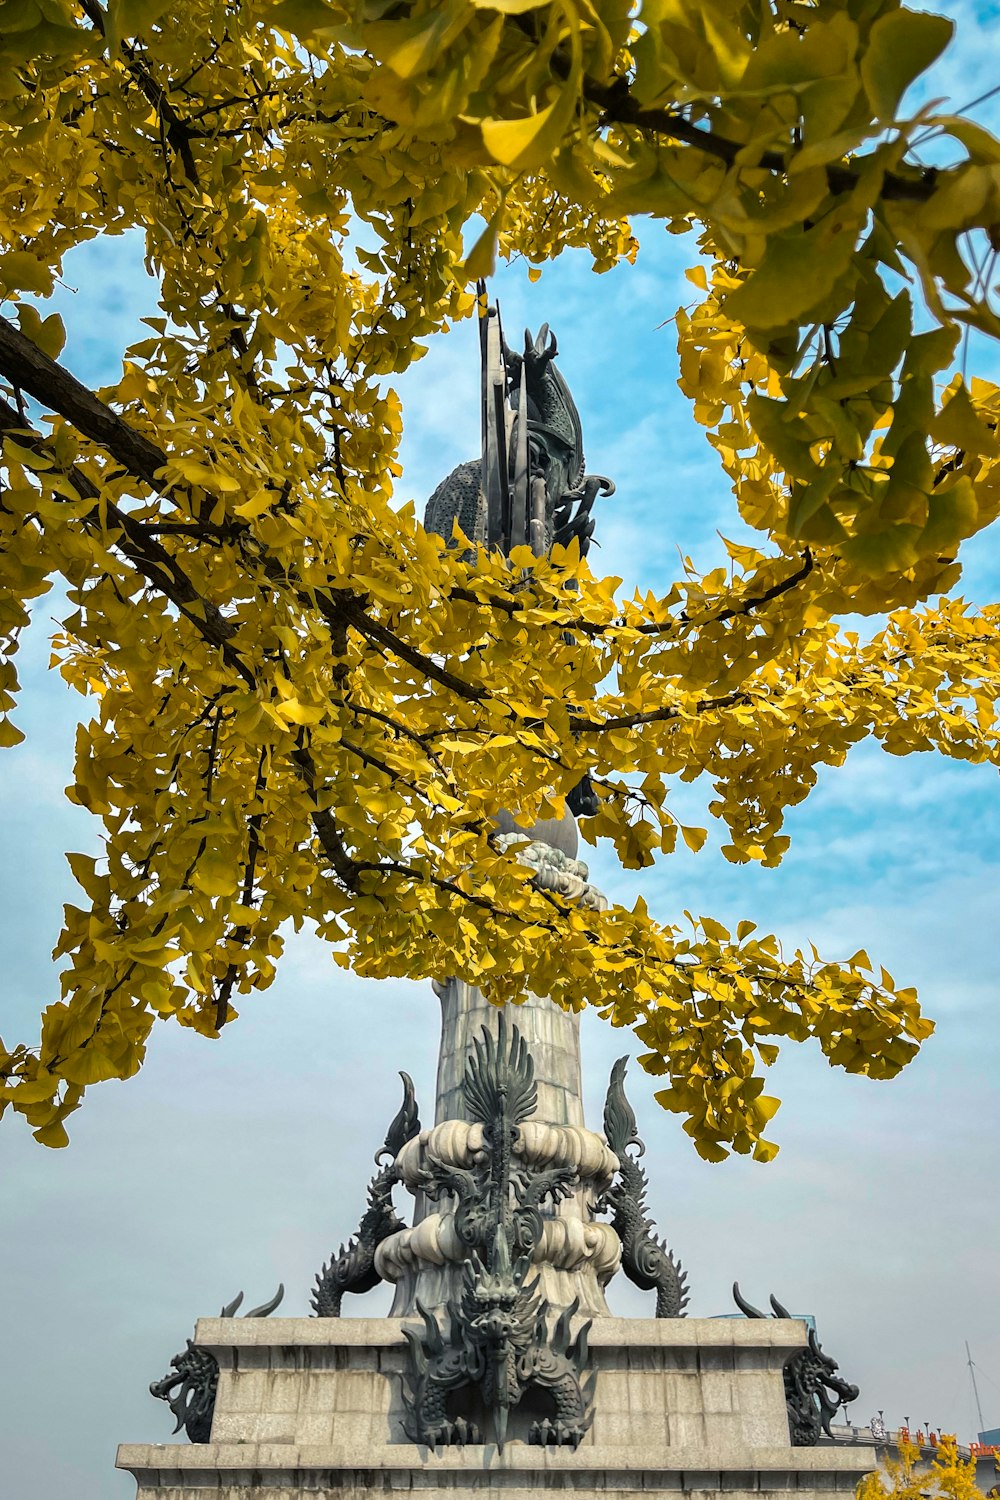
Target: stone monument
{"type": "Point", "coordinates": [500, 1367]}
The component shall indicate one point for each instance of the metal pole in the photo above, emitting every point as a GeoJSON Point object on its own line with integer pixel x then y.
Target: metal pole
{"type": "Point", "coordinates": [975, 1388]}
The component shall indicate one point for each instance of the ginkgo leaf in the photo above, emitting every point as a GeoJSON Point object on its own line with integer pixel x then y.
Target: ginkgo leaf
{"type": "Point", "coordinates": [797, 271]}
{"type": "Point", "coordinates": [958, 425]}
{"type": "Point", "coordinates": [509, 7]}
{"type": "Point", "coordinates": [902, 44]}
{"type": "Point", "coordinates": [216, 874]}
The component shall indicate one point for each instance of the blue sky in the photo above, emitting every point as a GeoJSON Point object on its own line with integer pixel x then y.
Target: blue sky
{"type": "Point", "coordinates": [242, 1163]}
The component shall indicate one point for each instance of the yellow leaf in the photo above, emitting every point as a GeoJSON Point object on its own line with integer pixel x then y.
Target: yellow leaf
{"type": "Point", "coordinates": [256, 505]}
{"type": "Point", "coordinates": [482, 258]}
{"type": "Point", "coordinates": [531, 140]}
{"type": "Point", "coordinates": [22, 272]}
{"type": "Point", "coordinates": [510, 7]}
{"type": "Point", "coordinates": [901, 45]}
{"type": "Point", "coordinates": [88, 1065]}
{"type": "Point", "coordinates": [215, 874]}
{"type": "Point", "coordinates": [303, 18]}
{"type": "Point", "coordinates": [49, 334]}
{"type": "Point", "coordinates": [709, 1150]}
{"type": "Point", "coordinates": [212, 478]}
{"type": "Point", "coordinates": [958, 425]}
{"type": "Point", "coordinates": [53, 1135]}
{"type": "Point", "coordinates": [797, 271]}
{"type": "Point", "coordinates": [413, 45]}
{"type": "Point", "coordinates": [301, 713]}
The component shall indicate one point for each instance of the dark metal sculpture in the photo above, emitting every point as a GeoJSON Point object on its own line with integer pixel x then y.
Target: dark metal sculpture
{"type": "Point", "coordinates": [810, 1378]}
{"type": "Point", "coordinates": [497, 1345]}
{"type": "Point", "coordinates": [353, 1268]}
{"type": "Point", "coordinates": [530, 486]}
{"type": "Point", "coordinates": [189, 1390]}
{"type": "Point", "coordinates": [646, 1259]}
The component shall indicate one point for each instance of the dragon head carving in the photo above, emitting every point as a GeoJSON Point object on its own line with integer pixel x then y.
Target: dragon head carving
{"type": "Point", "coordinates": [814, 1392]}
{"type": "Point", "coordinates": [189, 1390]}
{"type": "Point", "coordinates": [498, 1310]}
{"type": "Point", "coordinates": [190, 1385]}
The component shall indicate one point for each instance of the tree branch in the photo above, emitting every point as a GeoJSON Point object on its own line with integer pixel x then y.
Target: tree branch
{"type": "Point", "coordinates": [655, 715]}
{"type": "Point", "coordinates": [619, 108]}
{"type": "Point", "coordinates": [350, 609]}
{"type": "Point", "coordinates": [147, 556]}
{"type": "Point", "coordinates": [747, 606]}
{"type": "Point", "coordinates": [28, 368]}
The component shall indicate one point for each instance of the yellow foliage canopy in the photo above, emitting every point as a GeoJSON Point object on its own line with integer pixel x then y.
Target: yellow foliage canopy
{"type": "Point", "coordinates": [309, 709]}
{"type": "Point", "coordinates": [947, 1477]}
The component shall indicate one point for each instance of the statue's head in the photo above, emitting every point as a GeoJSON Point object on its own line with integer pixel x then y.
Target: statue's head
{"type": "Point", "coordinates": [494, 1321]}
{"type": "Point", "coordinates": [189, 1390]}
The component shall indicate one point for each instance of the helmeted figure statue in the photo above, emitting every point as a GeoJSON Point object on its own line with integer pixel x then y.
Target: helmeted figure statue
{"type": "Point", "coordinates": [530, 487]}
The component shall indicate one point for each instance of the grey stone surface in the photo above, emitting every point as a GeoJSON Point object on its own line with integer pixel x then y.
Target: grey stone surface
{"type": "Point", "coordinates": [312, 1406]}
{"type": "Point", "coordinates": [758, 1345]}
{"type": "Point", "coordinates": [553, 1038]}
{"type": "Point", "coordinates": [277, 1471]}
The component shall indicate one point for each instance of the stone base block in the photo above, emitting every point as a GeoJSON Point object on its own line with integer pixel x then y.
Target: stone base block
{"type": "Point", "coordinates": [278, 1471]}
{"type": "Point", "coordinates": [316, 1406]}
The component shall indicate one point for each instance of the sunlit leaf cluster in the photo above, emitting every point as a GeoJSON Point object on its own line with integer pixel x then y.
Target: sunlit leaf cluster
{"type": "Point", "coordinates": [303, 709]}
{"type": "Point", "coordinates": [907, 1476]}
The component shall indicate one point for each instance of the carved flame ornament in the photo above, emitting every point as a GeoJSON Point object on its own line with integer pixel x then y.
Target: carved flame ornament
{"type": "Point", "coordinates": [353, 1269]}
{"type": "Point", "coordinates": [646, 1260]}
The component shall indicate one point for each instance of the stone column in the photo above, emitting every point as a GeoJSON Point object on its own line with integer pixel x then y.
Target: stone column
{"type": "Point", "coordinates": [553, 1038]}
{"type": "Point", "coordinates": [576, 1255]}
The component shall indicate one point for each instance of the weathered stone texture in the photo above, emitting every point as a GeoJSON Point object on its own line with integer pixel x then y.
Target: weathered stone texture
{"type": "Point", "coordinates": [312, 1406]}
{"type": "Point", "coordinates": [553, 1038]}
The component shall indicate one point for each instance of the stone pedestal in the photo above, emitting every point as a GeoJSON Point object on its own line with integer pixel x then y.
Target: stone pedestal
{"type": "Point", "coordinates": [309, 1406]}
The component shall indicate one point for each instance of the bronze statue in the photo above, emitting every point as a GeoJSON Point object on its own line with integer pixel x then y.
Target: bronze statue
{"type": "Point", "coordinates": [530, 485]}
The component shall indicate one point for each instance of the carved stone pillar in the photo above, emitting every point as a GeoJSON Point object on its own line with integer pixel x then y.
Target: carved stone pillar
{"type": "Point", "coordinates": [576, 1256]}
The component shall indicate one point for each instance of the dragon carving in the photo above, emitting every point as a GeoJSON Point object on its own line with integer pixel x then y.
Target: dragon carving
{"type": "Point", "coordinates": [352, 1269]}
{"type": "Point", "coordinates": [189, 1389]}
{"type": "Point", "coordinates": [497, 1344]}
{"type": "Point", "coordinates": [646, 1260]}
{"type": "Point", "coordinates": [810, 1378]}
